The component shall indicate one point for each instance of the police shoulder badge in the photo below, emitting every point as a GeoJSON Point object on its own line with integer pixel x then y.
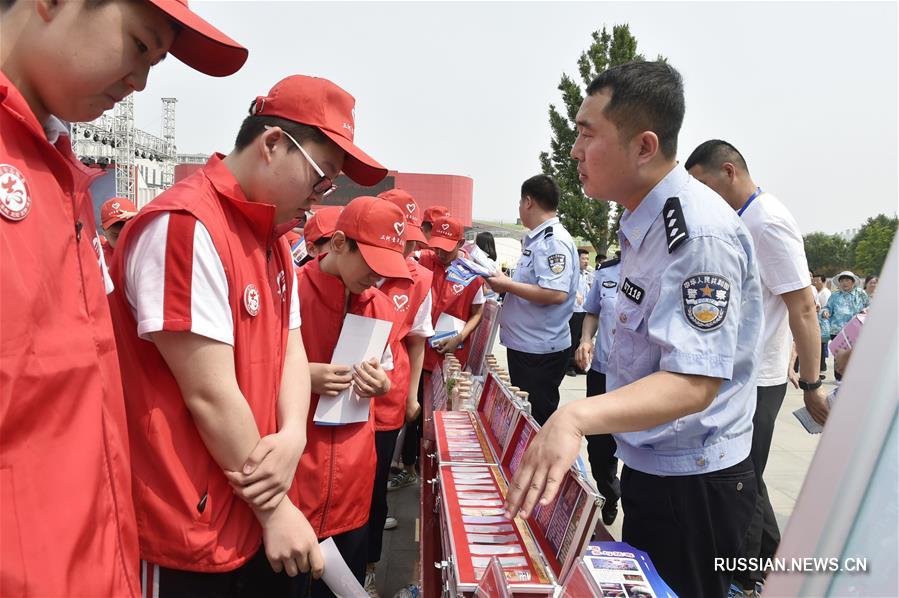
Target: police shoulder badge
{"type": "Point", "coordinates": [705, 300]}
{"type": "Point", "coordinates": [556, 263]}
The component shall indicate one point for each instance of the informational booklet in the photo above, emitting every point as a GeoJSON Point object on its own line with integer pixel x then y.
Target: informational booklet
{"type": "Point", "coordinates": [298, 250]}
{"type": "Point", "coordinates": [361, 339]}
{"type": "Point", "coordinates": [446, 327]}
{"type": "Point", "coordinates": [808, 422]}
{"type": "Point", "coordinates": [618, 569]}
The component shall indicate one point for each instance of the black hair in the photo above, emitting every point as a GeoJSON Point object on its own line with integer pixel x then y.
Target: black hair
{"type": "Point", "coordinates": [646, 96]}
{"type": "Point", "coordinates": [351, 243]}
{"type": "Point", "coordinates": [542, 189]}
{"type": "Point", "coordinates": [485, 241]}
{"type": "Point", "coordinates": [712, 154]}
{"type": "Point", "coordinates": [599, 257]}
{"type": "Point", "coordinates": [254, 125]}
{"type": "Point", "coordinates": [583, 251]}
{"type": "Point", "coordinates": [869, 278]}
{"type": "Point", "coordinates": [322, 241]}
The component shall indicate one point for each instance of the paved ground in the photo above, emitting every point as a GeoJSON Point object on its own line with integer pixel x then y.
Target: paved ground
{"type": "Point", "coordinates": [791, 454]}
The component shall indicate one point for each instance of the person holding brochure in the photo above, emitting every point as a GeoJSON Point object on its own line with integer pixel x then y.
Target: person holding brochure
{"type": "Point", "coordinates": [217, 400]}
{"type": "Point", "coordinates": [411, 302]}
{"type": "Point", "coordinates": [681, 374]}
{"type": "Point", "coordinates": [336, 473]}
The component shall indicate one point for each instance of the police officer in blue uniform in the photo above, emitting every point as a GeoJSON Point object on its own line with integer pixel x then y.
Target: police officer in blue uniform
{"type": "Point", "coordinates": [682, 369]}
{"type": "Point", "coordinates": [539, 299]}
{"type": "Point", "coordinates": [600, 310]}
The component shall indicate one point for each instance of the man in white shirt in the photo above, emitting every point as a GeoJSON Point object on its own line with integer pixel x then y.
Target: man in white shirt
{"type": "Point", "coordinates": [789, 306]}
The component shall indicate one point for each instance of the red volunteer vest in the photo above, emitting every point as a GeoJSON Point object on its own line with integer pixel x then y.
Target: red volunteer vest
{"type": "Point", "coordinates": [66, 517]}
{"type": "Point", "coordinates": [451, 298]}
{"type": "Point", "coordinates": [173, 470]}
{"type": "Point", "coordinates": [405, 296]}
{"type": "Point", "coordinates": [337, 469]}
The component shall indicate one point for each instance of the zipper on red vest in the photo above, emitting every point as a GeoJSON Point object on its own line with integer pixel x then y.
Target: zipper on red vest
{"type": "Point", "coordinates": [321, 529]}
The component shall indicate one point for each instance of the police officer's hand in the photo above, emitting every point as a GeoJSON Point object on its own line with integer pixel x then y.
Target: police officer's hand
{"type": "Point", "coordinates": [584, 355]}
{"type": "Point", "coordinates": [448, 345]}
{"type": "Point", "coordinates": [370, 379]}
{"type": "Point", "coordinates": [499, 282]}
{"type": "Point", "coordinates": [290, 542]}
{"type": "Point", "coordinates": [330, 380]}
{"type": "Point", "coordinates": [816, 403]}
{"type": "Point", "coordinates": [545, 464]}
{"type": "Point", "coordinates": [270, 469]}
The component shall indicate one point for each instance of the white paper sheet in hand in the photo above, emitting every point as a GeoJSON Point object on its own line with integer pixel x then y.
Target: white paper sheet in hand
{"type": "Point", "coordinates": [360, 339]}
{"type": "Point", "coordinates": [337, 575]}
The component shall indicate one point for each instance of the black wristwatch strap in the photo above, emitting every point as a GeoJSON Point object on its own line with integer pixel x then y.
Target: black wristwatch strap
{"type": "Point", "coordinates": [809, 385]}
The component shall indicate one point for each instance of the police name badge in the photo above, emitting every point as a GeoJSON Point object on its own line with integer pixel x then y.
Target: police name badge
{"type": "Point", "coordinates": [705, 300]}
{"type": "Point", "coordinates": [556, 263]}
{"type": "Point", "coordinates": [609, 284]}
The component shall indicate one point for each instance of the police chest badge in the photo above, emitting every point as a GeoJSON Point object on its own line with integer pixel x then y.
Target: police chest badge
{"type": "Point", "coordinates": [556, 263]}
{"type": "Point", "coordinates": [251, 299]}
{"type": "Point", "coordinates": [15, 197]}
{"type": "Point", "coordinates": [705, 300]}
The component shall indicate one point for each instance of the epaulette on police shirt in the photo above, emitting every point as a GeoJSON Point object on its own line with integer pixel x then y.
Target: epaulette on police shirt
{"type": "Point", "coordinates": [675, 225]}
{"type": "Point", "coordinates": [610, 263]}
{"type": "Point", "coordinates": [548, 232]}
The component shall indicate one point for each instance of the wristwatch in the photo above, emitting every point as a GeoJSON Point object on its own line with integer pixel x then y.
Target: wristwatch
{"type": "Point", "coordinates": [809, 385]}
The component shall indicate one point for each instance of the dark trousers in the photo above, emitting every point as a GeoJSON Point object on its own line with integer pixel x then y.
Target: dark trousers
{"type": "Point", "coordinates": [353, 548]}
{"type": "Point", "coordinates": [823, 357]}
{"type": "Point", "coordinates": [412, 437]}
{"type": "Point", "coordinates": [601, 449]}
{"type": "Point", "coordinates": [540, 376]}
{"type": "Point", "coordinates": [575, 324]}
{"type": "Point", "coordinates": [254, 578]}
{"type": "Point", "coordinates": [684, 522]}
{"type": "Point", "coordinates": [763, 535]}
{"type": "Point", "coordinates": [385, 442]}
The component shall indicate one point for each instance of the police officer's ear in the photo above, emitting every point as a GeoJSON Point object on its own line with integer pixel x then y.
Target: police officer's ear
{"type": "Point", "coordinates": [729, 171]}
{"type": "Point", "coordinates": [647, 146]}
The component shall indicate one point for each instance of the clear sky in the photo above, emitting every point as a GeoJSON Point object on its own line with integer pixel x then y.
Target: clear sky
{"type": "Point", "coordinates": [806, 90]}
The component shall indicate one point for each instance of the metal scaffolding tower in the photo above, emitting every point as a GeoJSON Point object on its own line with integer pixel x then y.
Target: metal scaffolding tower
{"type": "Point", "coordinates": [168, 136]}
{"type": "Point", "coordinates": [123, 133]}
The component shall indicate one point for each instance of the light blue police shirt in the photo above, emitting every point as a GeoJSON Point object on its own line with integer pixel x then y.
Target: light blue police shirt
{"type": "Point", "coordinates": [548, 259]}
{"type": "Point", "coordinates": [601, 302]}
{"type": "Point", "coordinates": [585, 279]}
{"type": "Point", "coordinates": [689, 302]}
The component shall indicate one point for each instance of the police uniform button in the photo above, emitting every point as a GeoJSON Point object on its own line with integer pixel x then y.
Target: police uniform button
{"type": "Point", "coordinates": [721, 456]}
{"type": "Point", "coordinates": [739, 486]}
{"type": "Point", "coordinates": [622, 318]}
{"type": "Point", "coordinates": [700, 461]}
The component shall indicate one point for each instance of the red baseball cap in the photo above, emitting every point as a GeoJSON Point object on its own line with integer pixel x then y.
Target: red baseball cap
{"type": "Point", "coordinates": [322, 223]}
{"type": "Point", "coordinates": [379, 228]}
{"type": "Point", "coordinates": [322, 104]}
{"type": "Point", "coordinates": [434, 212]}
{"type": "Point", "coordinates": [446, 233]}
{"type": "Point", "coordinates": [407, 204]}
{"type": "Point", "coordinates": [199, 45]}
{"type": "Point", "coordinates": [117, 209]}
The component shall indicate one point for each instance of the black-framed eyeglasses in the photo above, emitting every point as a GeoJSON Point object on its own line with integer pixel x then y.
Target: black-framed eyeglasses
{"type": "Point", "coordinates": [325, 185]}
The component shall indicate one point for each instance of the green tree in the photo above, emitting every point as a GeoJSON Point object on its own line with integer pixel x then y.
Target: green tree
{"type": "Point", "coordinates": [826, 254]}
{"type": "Point", "coordinates": [871, 244]}
{"type": "Point", "coordinates": [581, 216]}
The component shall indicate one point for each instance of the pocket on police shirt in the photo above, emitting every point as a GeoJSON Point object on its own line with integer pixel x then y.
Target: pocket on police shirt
{"type": "Point", "coordinates": [630, 342]}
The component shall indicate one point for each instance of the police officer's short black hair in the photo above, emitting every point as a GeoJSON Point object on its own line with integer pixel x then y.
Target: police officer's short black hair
{"type": "Point", "coordinates": [253, 126]}
{"type": "Point", "coordinates": [542, 189]}
{"type": "Point", "coordinates": [646, 96]}
{"type": "Point", "coordinates": [711, 154]}
{"type": "Point", "coordinates": [583, 251]}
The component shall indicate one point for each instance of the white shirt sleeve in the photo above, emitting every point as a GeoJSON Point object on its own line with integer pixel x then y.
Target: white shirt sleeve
{"type": "Point", "coordinates": [479, 298]}
{"type": "Point", "coordinates": [781, 258]}
{"type": "Point", "coordinates": [421, 325]}
{"type": "Point", "coordinates": [159, 299]}
{"type": "Point", "coordinates": [295, 319]}
{"type": "Point", "coordinates": [387, 359]}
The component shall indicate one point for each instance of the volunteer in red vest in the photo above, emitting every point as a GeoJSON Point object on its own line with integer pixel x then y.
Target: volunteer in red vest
{"type": "Point", "coordinates": [337, 470]}
{"type": "Point", "coordinates": [411, 302]}
{"type": "Point", "coordinates": [318, 230]}
{"type": "Point", "coordinates": [217, 400]}
{"type": "Point", "coordinates": [67, 523]}
{"type": "Point", "coordinates": [114, 213]}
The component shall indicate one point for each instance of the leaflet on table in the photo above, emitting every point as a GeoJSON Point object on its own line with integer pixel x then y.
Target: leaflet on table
{"type": "Point", "coordinates": [808, 422]}
{"type": "Point", "coordinates": [447, 326]}
{"type": "Point", "coordinates": [619, 569]}
{"type": "Point", "coordinates": [361, 339]}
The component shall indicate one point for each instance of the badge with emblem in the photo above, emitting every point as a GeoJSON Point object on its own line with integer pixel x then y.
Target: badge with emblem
{"type": "Point", "coordinates": [251, 299]}
{"type": "Point", "coordinates": [15, 197]}
{"type": "Point", "coordinates": [282, 285]}
{"type": "Point", "coordinates": [400, 301]}
{"type": "Point", "coordinates": [556, 263]}
{"type": "Point", "coordinates": [609, 284]}
{"type": "Point", "coordinates": [705, 300]}
{"type": "Point", "coordinates": [458, 288]}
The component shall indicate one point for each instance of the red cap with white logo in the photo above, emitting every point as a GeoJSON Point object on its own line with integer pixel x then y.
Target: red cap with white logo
{"type": "Point", "coordinates": [405, 202]}
{"type": "Point", "coordinates": [322, 223]}
{"type": "Point", "coordinates": [117, 209]}
{"type": "Point", "coordinates": [379, 228]}
{"type": "Point", "coordinates": [434, 212]}
{"type": "Point", "coordinates": [322, 104]}
{"type": "Point", "coordinates": [446, 233]}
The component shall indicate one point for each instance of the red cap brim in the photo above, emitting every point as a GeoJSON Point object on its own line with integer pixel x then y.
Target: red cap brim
{"type": "Point", "coordinates": [413, 233]}
{"type": "Point", "coordinates": [443, 243]}
{"type": "Point", "coordinates": [358, 165]}
{"type": "Point", "coordinates": [201, 46]}
{"type": "Point", "coordinates": [121, 217]}
{"type": "Point", "coordinates": [385, 262]}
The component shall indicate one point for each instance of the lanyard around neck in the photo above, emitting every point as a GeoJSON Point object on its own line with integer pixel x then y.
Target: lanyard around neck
{"type": "Point", "coordinates": [758, 191]}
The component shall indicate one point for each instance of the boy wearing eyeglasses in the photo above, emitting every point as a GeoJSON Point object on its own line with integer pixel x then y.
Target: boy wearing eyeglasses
{"type": "Point", "coordinates": [208, 328]}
